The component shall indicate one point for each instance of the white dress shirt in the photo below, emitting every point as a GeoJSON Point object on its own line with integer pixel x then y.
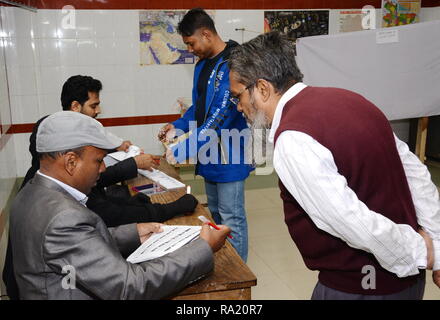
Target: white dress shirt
{"type": "Point", "coordinates": [78, 195]}
{"type": "Point", "coordinates": [308, 171]}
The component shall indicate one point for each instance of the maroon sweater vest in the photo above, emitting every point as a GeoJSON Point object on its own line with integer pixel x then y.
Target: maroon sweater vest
{"type": "Point", "coordinates": [363, 146]}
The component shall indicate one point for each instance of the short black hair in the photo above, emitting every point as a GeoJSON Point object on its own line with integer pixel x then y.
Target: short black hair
{"type": "Point", "coordinates": [193, 20]}
{"type": "Point", "coordinates": [77, 88]}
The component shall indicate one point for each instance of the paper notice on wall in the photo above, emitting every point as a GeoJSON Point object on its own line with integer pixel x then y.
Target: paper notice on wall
{"type": "Point", "coordinates": [350, 20]}
{"type": "Point", "coordinates": [387, 36]}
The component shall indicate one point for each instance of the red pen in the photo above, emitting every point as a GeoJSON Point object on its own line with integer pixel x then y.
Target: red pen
{"type": "Point", "coordinates": [205, 220]}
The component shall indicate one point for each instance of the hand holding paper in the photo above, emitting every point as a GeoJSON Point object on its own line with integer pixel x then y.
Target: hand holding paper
{"type": "Point", "coordinates": [167, 133]}
{"type": "Point", "coordinates": [147, 161]}
{"type": "Point", "coordinates": [145, 230]}
{"type": "Point", "coordinates": [124, 146]}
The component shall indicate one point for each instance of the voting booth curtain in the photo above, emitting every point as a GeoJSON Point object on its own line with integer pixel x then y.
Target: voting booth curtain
{"type": "Point", "coordinates": [397, 68]}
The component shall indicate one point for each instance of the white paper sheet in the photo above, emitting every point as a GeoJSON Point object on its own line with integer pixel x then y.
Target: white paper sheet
{"type": "Point", "coordinates": [159, 244]}
{"type": "Point", "coordinates": [133, 151]}
{"type": "Point", "coordinates": [162, 178]}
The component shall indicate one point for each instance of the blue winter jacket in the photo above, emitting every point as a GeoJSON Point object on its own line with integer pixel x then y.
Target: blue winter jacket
{"type": "Point", "coordinates": [225, 158]}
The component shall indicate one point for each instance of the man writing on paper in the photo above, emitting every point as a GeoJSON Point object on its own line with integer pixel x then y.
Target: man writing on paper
{"type": "Point", "coordinates": [357, 202]}
{"type": "Point", "coordinates": [212, 111]}
{"type": "Point", "coordinates": [112, 203]}
{"type": "Point", "coordinates": [52, 230]}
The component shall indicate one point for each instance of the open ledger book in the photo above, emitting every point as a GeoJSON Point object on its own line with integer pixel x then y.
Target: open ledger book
{"type": "Point", "coordinates": [160, 244]}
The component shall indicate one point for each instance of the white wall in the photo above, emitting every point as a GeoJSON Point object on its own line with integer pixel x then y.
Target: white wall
{"type": "Point", "coordinates": [41, 56]}
{"type": "Point", "coordinates": [8, 171]}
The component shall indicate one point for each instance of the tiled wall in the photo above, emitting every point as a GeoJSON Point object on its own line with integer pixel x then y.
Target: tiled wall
{"type": "Point", "coordinates": [8, 170]}
{"type": "Point", "coordinates": [41, 56]}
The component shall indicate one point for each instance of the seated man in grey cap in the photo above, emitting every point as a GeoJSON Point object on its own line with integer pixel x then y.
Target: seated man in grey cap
{"type": "Point", "coordinates": [111, 202]}
{"type": "Point", "coordinates": [52, 230]}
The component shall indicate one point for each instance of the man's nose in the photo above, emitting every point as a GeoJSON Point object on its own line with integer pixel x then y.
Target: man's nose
{"type": "Point", "coordinates": [102, 167]}
{"type": "Point", "coordinates": [239, 108]}
{"type": "Point", "coordinates": [98, 110]}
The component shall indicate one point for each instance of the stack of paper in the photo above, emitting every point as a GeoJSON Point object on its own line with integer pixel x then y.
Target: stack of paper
{"type": "Point", "coordinates": [162, 178]}
{"type": "Point", "coordinates": [157, 176]}
{"type": "Point", "coordinates": [169, 240]}
{"type": "Point", "coordinates": [133, 151]}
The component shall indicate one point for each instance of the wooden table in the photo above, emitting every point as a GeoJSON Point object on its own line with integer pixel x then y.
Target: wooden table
{"type": "Point", "coordinates": [231, 279]}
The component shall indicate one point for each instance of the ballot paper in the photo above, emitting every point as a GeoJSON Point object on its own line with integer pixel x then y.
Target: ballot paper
{"type": "Point", "coordinates": [169, 240]}
{"type": "Point", "coordinates": [173, 142]}
{"type": "Point", "coordinates": [133, 151]}
{"type": "Point", "coordinates": [162, 178]}
{"type": "Point", "coordinates": [157, 176]}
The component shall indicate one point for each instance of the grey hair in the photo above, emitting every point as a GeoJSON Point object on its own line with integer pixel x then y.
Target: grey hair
{"type": "Point", "coordinates": [56, 154]}
{"type": "Point", "coordinates": [270, 56]}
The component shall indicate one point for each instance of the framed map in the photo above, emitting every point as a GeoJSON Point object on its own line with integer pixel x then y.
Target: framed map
{"type": "Point", "coordinates": [160, 43]}
{"type": "Point", "coordinates": [400, 12]}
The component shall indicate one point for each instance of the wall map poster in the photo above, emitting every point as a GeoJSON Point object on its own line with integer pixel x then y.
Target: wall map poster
{"type": "Point", "coordinates": [160, 43]}
{"type": "Point", "coordinates": [400, 12]}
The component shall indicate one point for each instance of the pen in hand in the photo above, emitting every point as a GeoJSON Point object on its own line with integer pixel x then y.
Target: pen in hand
{"type": "Point", "coordinates": [205, 220]}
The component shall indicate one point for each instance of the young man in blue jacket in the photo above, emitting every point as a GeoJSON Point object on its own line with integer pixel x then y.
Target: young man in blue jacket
{"type": "Point", "coordinates": [219, 160]}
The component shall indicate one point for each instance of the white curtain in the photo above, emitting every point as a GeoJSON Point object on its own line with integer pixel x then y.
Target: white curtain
{"type": "Point", "coordinates": [401, 78]}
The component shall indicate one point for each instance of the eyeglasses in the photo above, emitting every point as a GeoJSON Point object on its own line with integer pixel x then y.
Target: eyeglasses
{"type": "Point", "coordinates": [236, 99]}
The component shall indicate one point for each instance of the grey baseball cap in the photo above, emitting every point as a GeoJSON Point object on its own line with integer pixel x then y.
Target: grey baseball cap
{"type": "Point", "coordinates": [66, 130]}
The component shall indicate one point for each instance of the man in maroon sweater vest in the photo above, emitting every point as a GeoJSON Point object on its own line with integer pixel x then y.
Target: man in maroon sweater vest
{"type": "Point", "coordinates": [361, 208]}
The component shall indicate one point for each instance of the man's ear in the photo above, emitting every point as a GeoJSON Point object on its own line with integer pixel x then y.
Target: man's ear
{"type": "Point", "coordinates": [265, 89]}
{"type": "Point", "coordinates": [75, 106]}
{"type": "Point", "coordinates": [207, 34]}
{"type": "Point", "coordinates": [70, 162]}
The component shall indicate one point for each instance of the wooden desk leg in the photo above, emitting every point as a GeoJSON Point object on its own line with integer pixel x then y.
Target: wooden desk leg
{"type": "Point", "coordinates": [422, 130]}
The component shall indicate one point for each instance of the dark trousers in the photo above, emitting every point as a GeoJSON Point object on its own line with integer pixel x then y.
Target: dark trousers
{"type": "Point", "coordinates": [415, 292]}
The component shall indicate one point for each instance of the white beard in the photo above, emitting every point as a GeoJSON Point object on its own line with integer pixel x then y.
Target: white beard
{"type": "Point", "coordinates": [258, 149]}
